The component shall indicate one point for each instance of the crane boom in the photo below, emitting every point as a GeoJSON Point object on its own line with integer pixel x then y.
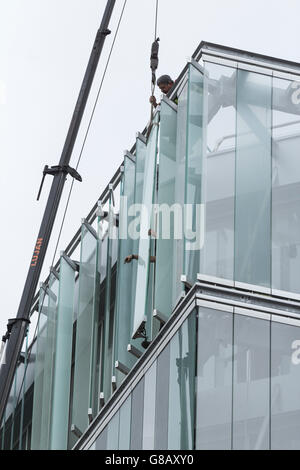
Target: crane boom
{"type": "Point", "coordinates": [18, 325]}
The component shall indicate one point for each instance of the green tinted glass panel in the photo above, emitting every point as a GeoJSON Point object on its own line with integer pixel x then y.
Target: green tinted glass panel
{"type": "Point", "coordinates": [87, 326]}
{"type": "Point", "coordinates": [193, 185]}
{"type": "Point", "coordinates": [179, 199]}
{"type": "Point", "coordinates": [253, 179]}
{"type": "Point", "coordinates": [107, 363]}
{"type": "Point", "coordinates": [124, 301]}
{"type": "Point", "coordinates": [49, 363]}
{"type": "Point", "coordinates": [125, 425]}
{"type": "Point", "coordinates": [144, 242]}
{"type": "Point", "coordinates": [214, 380]}
{"type": "Point", "coordinates": [285, 386]}
{"type": "Point", "coordinates": [113, 433]}
{"type": "Point", "coordinates": [165, 200]}
{"type": "Point", "coordinates": [251, 384]}
{"type": "Point", "coordinates": [286, 186]}
{"type": "Point", "coordinates": [63, 357]}
{"type": "Point", "coordinates": [140, 157]}
{"type": "Point", "coordinates": [217, 255]}
{"type": "Point", "coordinates": [149, 408]}
{"type": "Point", "coordinates": [182, 386]}
{"type": "Point", "coordinates": [44, 366]}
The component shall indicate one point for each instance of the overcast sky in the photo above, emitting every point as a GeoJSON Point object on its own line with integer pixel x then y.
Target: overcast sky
{"type": "Point", "coordinates": [44, 49]}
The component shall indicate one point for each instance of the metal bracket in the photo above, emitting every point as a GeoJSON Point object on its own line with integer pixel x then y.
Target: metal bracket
{"type": "Point", "coordinates": [76, 431]}
{"type": "Point", "coordinates": [160, 316]}
{"type": "Point", "coordinates": [134, 351]}
{"type": "Point", "coordinates": [101, 400]}
{"type": "Point", "coordinates": [54, 170]}
{"type": "Point", "coordinates": [90, 415]}
{"type": "Point", "coordinates": [114, 383]}
{"type": "Point", "coordinates": [122, 368]}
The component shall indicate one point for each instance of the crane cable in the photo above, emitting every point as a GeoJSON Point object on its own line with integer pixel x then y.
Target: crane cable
{"type": "Point", "coordinates": [154, 62]}
{"type": "Point", "coordinates": [46, 286]}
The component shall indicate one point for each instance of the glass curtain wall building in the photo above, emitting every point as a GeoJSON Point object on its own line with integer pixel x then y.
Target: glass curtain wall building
{"type": "Point", "coordinates": [179, 326]}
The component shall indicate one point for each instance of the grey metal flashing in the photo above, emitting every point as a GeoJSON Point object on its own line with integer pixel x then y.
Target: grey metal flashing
{"type": "Point", "coordinates": [170, 103]}
{"type": "Point", "coordinates": [160, 316]}
{"type": "Point", "coordinates": [90, 228]}
{"type": "Point", "coordinates": [54, 272]}
{"type": "Point", "coordinates": [68, 260]}
{"type": "Point", "coordinates": [130, 156]}
{"type": "Point", "coordinates": [141, 137]}
{"type": "Point", "coordinates": [208, 47]}
{"type": "Point", "coordinates": [252, 287]}
{"type": "Point", "coordinates": [252, 313]}
{"type": "Point", "coordinates": [197, 66]}
{"type": "Point", "coordinates": [248, 299]}
{"type": "Point", "coordinates": [215, 280]}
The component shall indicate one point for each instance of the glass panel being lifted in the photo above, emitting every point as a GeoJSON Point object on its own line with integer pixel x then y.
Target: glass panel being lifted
{"type": "Point", "coordinates": [145, 225]}
{"type": "Point", "coordinates": [165, 200]}
{"type": "Point", "coordinates": [87, 328]}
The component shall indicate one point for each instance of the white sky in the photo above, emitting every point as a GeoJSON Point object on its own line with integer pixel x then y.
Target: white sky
{"type": "Point", "coordinates": [44, 49]}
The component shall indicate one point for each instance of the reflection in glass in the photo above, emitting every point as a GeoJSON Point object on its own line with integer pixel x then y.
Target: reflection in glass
{"type": "Point", "coordinates": [63, 358]}
{"type": "Point", "coordinates": [214, 380]}
{"type": "Point", "coordinates": [87, 326]}
{"type": "Point", "coordinates": [251, 385]}
{"type": "Point", "coordinates": [182, 386]}
{"type": "Point", "coordinates": [145, 225]}
{"type": "Point", "coordinates": [178, 248]}
{"type": "Point", "coordinates": [285, 387]}
{"type": "Point", "coordinates": [253, 179]}
{"type": "Point", "coordinates": [162, 400]}
{"type": "Point", "coordinates": [286, 186]}
{"type": "Point", "coordinates": [165, 199]}
{"type": "Point", "coordinates": [193, 184]}
{"type": "Point", "coordinates": [113, 433]}
{"type": "Point", "coordinates": [125, 425]}
{"type": "Point", "coordinates": [217, 255]}
{"type": "Point", "coordinates": [137, 405]}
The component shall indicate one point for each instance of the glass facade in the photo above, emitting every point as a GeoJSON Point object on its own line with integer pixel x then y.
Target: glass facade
{"type": "Point", "coordinates": [206, 199]}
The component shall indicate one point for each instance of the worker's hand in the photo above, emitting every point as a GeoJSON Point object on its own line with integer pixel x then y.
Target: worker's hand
{"type": "Point", "coordinates": [151, 233]}
{"type": "Point", "coordinates": [153, 101]}
{"type": "Point", "coordinates": [129, 258]}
